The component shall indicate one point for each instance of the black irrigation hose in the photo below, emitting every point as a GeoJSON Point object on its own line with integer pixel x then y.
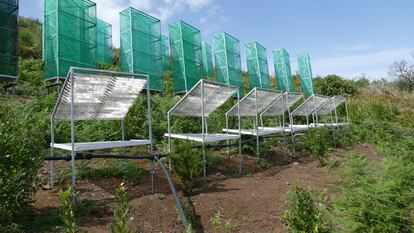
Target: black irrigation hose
{"type": "Point", "coordinates": [174, 193]}
{"type": "Point", "coordinates": [103, 156]}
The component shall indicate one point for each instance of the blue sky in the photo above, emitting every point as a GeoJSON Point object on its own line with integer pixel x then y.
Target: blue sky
{"type": "Point", "coordinates": [343, 37]}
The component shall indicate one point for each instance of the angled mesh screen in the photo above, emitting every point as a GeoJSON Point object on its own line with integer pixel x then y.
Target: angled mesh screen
{"type": "Point", "coordinates": [141, 49]}
{"type": "Point", "coordinates": [305, 72]}
{"type": "Point", "coordinates": [331, 105]}
{"type": "Point", "coordinates": [215, 95]}
{"type": "Point", "coordinates": [98, 96]}
{"type": "Point", "coordinates": [70, 36]}
{"type": "Point", "coordinates": [9, 39]}
{"type": "Point", "coordinates": [104, 42]}
{"type": "Point", "coordinates": [256, 58]}
{"type": "Point", "coordinates": [310, 105]}
{"type": "Point", "coordinates": [283, 104]}
{"type": "Point", "coordinates": [186, 58]}
{"type": "Point", "coordinates": [248, 102]}
{"type": "Point", "coordinates": [227, 60]}
{"type": "Point", "coordinates": [207, 59]}
{"type": "Point", "coordinates": [281, 62]}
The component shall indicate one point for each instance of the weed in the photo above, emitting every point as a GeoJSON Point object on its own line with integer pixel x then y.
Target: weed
{"type": "Point", "coordinates": [262, 164]}
{"type": "Point", "coordinates": [222, 224]}
{"type": "Point", "coordinates": [68, 210]}
{"type": "Point", "coordinates": [121, 214]}
{"type": "Point", "coordinates": [127, 171]}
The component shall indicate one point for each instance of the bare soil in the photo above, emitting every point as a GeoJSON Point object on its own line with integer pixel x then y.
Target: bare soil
{"type": "Point", "coordinates": [254, 202]}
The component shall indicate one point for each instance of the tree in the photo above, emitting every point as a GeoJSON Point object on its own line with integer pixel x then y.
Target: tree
{"type": "Point", "coordinates": [404, 73]}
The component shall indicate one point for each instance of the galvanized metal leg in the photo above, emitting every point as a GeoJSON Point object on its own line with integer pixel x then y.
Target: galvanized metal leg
{"type": "Point", "coordinates": [52, 154]}
{"type": "Point", "coordinates": [204, 164]}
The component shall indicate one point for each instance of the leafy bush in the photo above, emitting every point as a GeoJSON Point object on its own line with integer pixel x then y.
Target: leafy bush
{"type": "Point", "coordinates": [317, 142]}
{"type": "Point", "coordinates": [68, 210]}
{"type": "Point", "coordinates": [22, 142]}
{"type": "Point", "coordinates": [304, 214]}
{"type": "Point", "coordinates": [121, 214]}
{"type": "Point", "coordinates": [335, 85]}
{"type": "Point", "coordinates": [187, 165]}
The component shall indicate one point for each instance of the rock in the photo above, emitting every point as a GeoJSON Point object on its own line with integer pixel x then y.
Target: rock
{"type": "Point", "coordinates": [295, 163]}
{"type": "Point", "coordinates": [47, 187]}
{"type": "Point", "coordinates": [287, 183]}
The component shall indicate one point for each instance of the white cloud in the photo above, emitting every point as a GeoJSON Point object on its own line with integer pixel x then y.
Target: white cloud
{"type": "Point", "coordinates": [374, 64]}
{"type": "Point", "coordinates": [162, 9]}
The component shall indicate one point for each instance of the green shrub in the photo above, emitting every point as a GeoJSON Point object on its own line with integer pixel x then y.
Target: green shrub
{"type": "Point", "coordinates": [332, 85]}
{"type": "Point", "coordinates": [68, 210]}
{"type": "Point", "coordinates": [121, 214]}
{"type": "Point", "coordinates": [317, 142]}
{"type": "Point", "coordinates": [304, 214]}
{"type": "Point", "coordinates": [22, 141]}
{"type": "Point", "coordinates": [187, 165]}
{"type": "Point", "coordinates": [377, 197]}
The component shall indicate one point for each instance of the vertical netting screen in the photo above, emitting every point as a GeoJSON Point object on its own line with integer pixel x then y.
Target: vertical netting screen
{"type": "Point", "coordinates": [104, 43]}
{"type": "Point", "coordinates": [207, 59]}
{"type": "Point", "coordinates": [166, 63]}
{"type": "Point", "coordinates": [9, 39]}
{"type": "Point", "coordinates": [305, 72]}
{"type": "Point", "coordinates": [141, 50]}
{"type": "Point", "coordinates": [256, 58]}
{"type": "Point", "coordinates": [283, 73]}
{"type": "Point", "coordinates": [227, 59]}
{"type": "Point", "coordinates": [186, 59]}
{"type": "Point", "coordinates": [70, 36]}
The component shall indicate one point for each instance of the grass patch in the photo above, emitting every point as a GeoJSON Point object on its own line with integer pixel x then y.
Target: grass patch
{"type": "Point", "coordinates": [127, 171]}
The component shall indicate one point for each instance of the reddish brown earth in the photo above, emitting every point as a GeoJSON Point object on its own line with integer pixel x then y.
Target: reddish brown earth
{"type": "Point", "coordinates": [254, 202]}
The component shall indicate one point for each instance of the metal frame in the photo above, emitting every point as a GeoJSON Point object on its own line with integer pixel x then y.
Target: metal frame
{"type": "Point", "coordinates": [246, 112]}
{"type": "Point", "coordinates": [70, 81]}
{"type": "Point", "coordinates": [204, 118]}
{"type": "Point", "coordinates": [282, 121]}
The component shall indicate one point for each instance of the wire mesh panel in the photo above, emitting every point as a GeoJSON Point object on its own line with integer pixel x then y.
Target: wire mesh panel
{"type": "Point", "coordinates": [166, 63]}
{"type": "Point", "coordinates": [305, 72]}
{"type": "Point", "coordinates": [98, 95]}
{"type": "Point", "coordinates": [141, 49]}
{"type": "Point", "coordinates": [186, 58]}
{"type": "Point", "coordinates": [257, 66]}
{"type": "Point", "coordinates": [310, 105]}
{"type": "Point", "coordinates": [256, 98]}
{"type": "Point", "coordinates": [104, 43]}
{"type": "Point", "coordinates": [283, 72]}
{"type": "Point", "coordinates": [70, 36]}
{"type": "Point", "coordinates": [207, 59]}
{"type": "Point", "coordinates": [227, 59]}
{"type": "Point", "coordinates": [331, 105]}
{"type": "Point", "coordinates": [280, 106]}
{"type": "Point", "coordinates": [215, 95]}
{"type": "Point", "coordinates": [9, 39]}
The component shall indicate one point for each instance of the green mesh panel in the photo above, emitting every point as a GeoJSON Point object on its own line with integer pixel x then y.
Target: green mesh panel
{"type": "Point", "coordinates": [227, 59]}
{"type": "Point", "coordinates": [9, 39]}
{"type": "Point", "coordinates": [281, 62]}
{"type": "Point", "coordinates": [104, 42]}
{"type": "Point", "coordinates": [256, 58]}
{"type": "Point", "coordinates": [70, 35]}
{"type": "Point", "coordinates": [141, 46]}
{"type": "Point", "coordinates": [207, 59]}
{"type": "Point", "coordinates": [305, 72]}
{"type": "Point", "coordinates": [185, 42]}
{"type": "Point", "coordinates": [166, 63]}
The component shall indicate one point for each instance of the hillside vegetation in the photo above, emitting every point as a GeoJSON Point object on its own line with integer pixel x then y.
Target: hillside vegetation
{"type": "Point", "coordinates": [371, 196]}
